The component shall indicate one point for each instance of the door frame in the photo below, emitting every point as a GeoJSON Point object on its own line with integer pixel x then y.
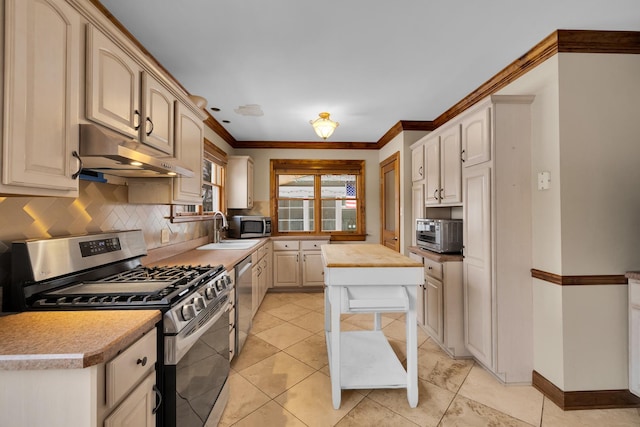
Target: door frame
{"type": "Point", "coordinates": [393, 161]}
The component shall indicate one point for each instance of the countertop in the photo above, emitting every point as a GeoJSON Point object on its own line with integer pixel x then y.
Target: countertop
{"type": "Point", "coordinates": [435, 256]}
{"type": "Point", "coordinates": [364, 255]}
{"type": "Point", "coordinates": [69, 339]}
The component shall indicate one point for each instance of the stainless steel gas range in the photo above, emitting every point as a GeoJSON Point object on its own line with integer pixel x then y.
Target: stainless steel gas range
{"type": "Point", "coordinates": [104, 271]}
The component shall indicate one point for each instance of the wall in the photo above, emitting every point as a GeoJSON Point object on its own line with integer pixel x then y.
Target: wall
{"type": "Point", "coordinates": [100, 207]}
{"type": "Point", "coordinates": [587, 223]}
{"type": "Point", "coordinates": [261, 190]}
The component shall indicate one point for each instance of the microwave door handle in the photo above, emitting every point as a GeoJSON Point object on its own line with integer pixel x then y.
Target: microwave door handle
{"type": "Point", "coordinates": [264, 227]}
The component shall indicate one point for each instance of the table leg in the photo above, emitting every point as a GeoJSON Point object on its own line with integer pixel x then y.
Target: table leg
{"type": "Point", "coordinates": [334, 301]}
{"type": "Point", "coordinates": [412, 350]}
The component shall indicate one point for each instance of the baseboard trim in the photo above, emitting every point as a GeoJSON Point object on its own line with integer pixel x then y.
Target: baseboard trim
{"type": "Point", "coordinates": [573, 400]}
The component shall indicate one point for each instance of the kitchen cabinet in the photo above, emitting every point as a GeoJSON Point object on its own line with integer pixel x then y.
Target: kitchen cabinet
{"type": "Point", "coordinates": [417, 162]}
{"type": "Point", "coordinates": [634, 337]}
{"type": "Point", "coordinates": [440, 301]}
{"type": "Point", "coordinates": [260, 275]}
{"type": "Point", "coordinates": [417, 207]}
{"type": "Point", "coordinates": [42, 40]}
{"type": "Point", "coordinates": [298, 263]}
{"type": "Point", "coordinates": [443, 167]}
{"type": "Point", "coordinates": [498, 316]}
{"type": "Point", "coordinates": [232, 313]}
{"type": "Point", "coordinates": [239, 185]}
{"type": "Point", "coordinates": [124, 97]}
{"type": "Point", "coordinates": [119, 392]}
{"type": "Point", "coordinates": [476, 137]}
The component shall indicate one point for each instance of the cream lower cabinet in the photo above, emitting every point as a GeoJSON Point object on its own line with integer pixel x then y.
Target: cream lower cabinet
{"type": "Point", "coordinates": [41, 98]}
{"type": "Point", "coordinates": [118, 393]}
{"type": "Point", "coordinates": [442, 310]}
{"type": "Point", "coordinates": [634, 337]}
{"type": "Point", "coordinates": [260, 275]}
{"type": "Point", "coordinates": [497, 283]}
{"type": "Point", "coordinates": [297, 263]}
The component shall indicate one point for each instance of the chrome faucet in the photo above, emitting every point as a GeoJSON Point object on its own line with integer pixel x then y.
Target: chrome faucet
{"type": "Point", "coordinates": [225, 225]}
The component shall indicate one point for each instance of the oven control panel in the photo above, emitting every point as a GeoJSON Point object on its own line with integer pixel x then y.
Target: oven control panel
{"type": "Point", "coordinates": [101, 246]}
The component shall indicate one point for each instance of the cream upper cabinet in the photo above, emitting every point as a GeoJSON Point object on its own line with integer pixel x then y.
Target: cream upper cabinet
{"type": "Point", "coordinates": [41, 98]}
{"type": "Point", "coordinates": [189, 149]}
{"type": "Point", "coordinates": [239, 186]}
{"type": "Point", "coordinates": [417, 162]}
{"type": "Point", "coordinates": [124, 97]}
{"type": "Point", "coordinates": [476, 137]}
{"type": "Point", "coordinates": [443, 168]}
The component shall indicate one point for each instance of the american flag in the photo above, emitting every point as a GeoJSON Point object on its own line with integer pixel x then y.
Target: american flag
{"type": "Point", "coordinates": [350, 191]}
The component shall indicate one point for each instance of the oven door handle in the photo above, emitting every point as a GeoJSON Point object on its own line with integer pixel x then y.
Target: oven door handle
{"type": "Point", "coordinates": [177, 346]}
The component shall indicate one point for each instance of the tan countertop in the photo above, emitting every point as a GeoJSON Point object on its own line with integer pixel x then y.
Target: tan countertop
{"type": "Point", "coordinates": [364, 255]}
{"type": "Point", "coordinates": [435, 256]}
{"type": "Point", "coordinates": [69, 339]}
{"type": "Point", "coordinates": [227, 257]}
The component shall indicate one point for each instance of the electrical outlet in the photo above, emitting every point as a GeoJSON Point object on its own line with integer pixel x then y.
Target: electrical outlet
{"type": "Point", "coordinates": [164, 237]}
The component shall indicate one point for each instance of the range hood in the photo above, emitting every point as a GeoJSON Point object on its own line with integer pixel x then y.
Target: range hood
{"type": "Point", "coordinates": [105, 151]}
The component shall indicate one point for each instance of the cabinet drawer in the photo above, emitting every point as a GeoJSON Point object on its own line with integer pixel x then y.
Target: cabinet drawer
{"type": "Point", "coordinates": [262, 251]}
{"type": "Point", "coordinates": [286, 245]}
{"type": "Point", "coordinates": [126, 370]}
{"type": "Point", "coordinates": [634, 292]}
{"type": "Point", "coordinates": [433, 269]}
{"type": "Point", "coordinates": [310, 245]}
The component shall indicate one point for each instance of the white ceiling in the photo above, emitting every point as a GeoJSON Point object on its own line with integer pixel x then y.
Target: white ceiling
{"type": "Point", "coordinates": [370, 63]}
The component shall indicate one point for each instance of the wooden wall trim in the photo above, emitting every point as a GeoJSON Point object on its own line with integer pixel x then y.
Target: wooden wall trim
{"type": "Point", "coordinates": [573, 400]}
{"type": "Point", "coordinates": [215, 126]}
{"type": "Point", "coordinates": [611, 279]}
{"type": "Point", "coordinates": [308, 145]}
{"type": "Point", "coordinates": [587, 41]}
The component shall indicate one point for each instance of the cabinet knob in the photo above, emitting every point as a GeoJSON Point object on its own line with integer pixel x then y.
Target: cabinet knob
{"type": "Point", "coordinates": [142, 361]}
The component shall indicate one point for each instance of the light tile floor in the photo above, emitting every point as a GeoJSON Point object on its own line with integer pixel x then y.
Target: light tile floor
{"type": "Point", "coordinates": [281, 378]}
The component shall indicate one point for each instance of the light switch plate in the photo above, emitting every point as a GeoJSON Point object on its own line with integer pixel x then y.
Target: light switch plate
{"type": "Point", "coordinates": [164, 236]}
{"type": "Point", "coordinates": [544, 181]}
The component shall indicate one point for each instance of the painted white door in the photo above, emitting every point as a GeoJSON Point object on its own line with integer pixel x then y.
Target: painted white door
{"type": "Point", "coordinates": [432, 171]}
{"type": "Point", "coordinates": [189, 147]}
{"type": "Point", "coordinates": [476, 137]}
{"type": "Point", "coordinates": [417, 163]}
{"type": "Point", "coordinates": [159, 110]}
{"type": "Point", "coordinates": [434, 308]}
{"type": "Point", "coordinates": [312, 268]}
{"type": "Point", "coordinates": [450, 167]}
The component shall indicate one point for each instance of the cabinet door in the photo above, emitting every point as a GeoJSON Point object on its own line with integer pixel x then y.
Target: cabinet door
{"type": "Point", "coordinates": [634, 350]}
{"type": "Point", "coordinates": [249, 183]}
{"type": "Point", "coordinates": [113, 85]}
{"type": "Point", "coordinates": [189, 147]}
{"type": "Point", "coordinates": [285, 268]}
{"type": "Point", "coordinates": [417, 163]}
{"type": "Point", "coordinates": [432, 171]}
{"type": "Point", "coordinates": [137, 408]}
{"type": "Point", "coordinates": [158, 113]}
{"type": "Point", "coordinates": [256, 272]}
{"type": "Point", "coordinates": [312, 268]}
{"type": "Point", "coordinates": [41, 99]}
{"type": "Point", "coordinates": [450, 167]}
{"type": "Point", "coordinates": [434, 308]}
{"type": "Point", "coordinates": [477, 264]}
{"type": "Point", "coordinates": [240, 182]}
{"type": "Point", "coordinates": [476, 137]}
{"type": "Point", "coordinates": [417, 208]}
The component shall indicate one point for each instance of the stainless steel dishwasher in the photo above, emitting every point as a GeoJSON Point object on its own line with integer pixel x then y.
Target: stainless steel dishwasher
{"type": "Point", "coordinates": [243, 302]}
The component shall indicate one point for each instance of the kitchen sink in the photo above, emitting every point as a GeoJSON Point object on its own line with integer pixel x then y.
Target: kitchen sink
{"type": "Point", "coordinates": [231, 244]}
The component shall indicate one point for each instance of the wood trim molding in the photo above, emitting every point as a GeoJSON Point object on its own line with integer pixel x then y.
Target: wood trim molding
{"type": "Point", "coordinates": [576, 41]}
{"type": "Point", "coordinates": [611, 279]}
{"type": "Point", "coordinates": [214, 152]}
{"type": "Point", "coordinates": [573, 400]}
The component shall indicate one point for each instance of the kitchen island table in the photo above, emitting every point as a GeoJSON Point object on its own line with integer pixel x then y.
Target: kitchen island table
{"type": "Point", "coordinates": [369, 278]}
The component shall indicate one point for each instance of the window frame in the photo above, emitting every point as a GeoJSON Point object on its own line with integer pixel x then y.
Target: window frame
{"type": "Point", "coordinates": [318, 168]}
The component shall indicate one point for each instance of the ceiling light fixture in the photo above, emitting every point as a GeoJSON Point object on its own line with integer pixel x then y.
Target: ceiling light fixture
{"type": "Point", "coordinates": [324, 126]}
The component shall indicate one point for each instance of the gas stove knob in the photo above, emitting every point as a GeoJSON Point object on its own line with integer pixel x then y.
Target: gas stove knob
{"type": "Point", "coordinates": [210, 293]}
{"type": "Point", "coordinates": [188, 311]}
{"type": "Point", "coordinates": [227, 280]}
{"type": "Point", "coordinates": [219, 285]}
{"type": "Point", "coordinates": [199, 303]}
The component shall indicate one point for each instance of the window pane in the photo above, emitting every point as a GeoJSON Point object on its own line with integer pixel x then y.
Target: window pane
{"type": "Point", "coordinates": [296, 186]}
{"type": "Point", "coordinates": [295, 215]}
{"type": "Point", "coordinates": [339, 215]}
{"type": "Point", "coordinates": [338, 186]}
{"type": "Point", "coordinates": [210, 198]}
{"type": "Point", "coordinates": [206, 171]}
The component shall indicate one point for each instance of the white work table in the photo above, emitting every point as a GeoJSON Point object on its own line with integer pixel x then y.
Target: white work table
{"type": "Point", "coordinates": [369, 278]}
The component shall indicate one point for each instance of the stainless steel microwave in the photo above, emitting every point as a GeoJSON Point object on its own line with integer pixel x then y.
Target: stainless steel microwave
{"type": "Point", "coordinates": [248, 226]}
{"type": "Point", "coordinates": [439, 235]}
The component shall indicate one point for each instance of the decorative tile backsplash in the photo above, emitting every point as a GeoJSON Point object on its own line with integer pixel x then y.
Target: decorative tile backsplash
{"type": "Point", "coordinates": [100, 207]}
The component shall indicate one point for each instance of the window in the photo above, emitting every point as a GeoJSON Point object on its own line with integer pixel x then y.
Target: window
{"type": "Point", "coordinates": [212, 181]}
{"type": "Point", "coordinates": [319, 197]}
